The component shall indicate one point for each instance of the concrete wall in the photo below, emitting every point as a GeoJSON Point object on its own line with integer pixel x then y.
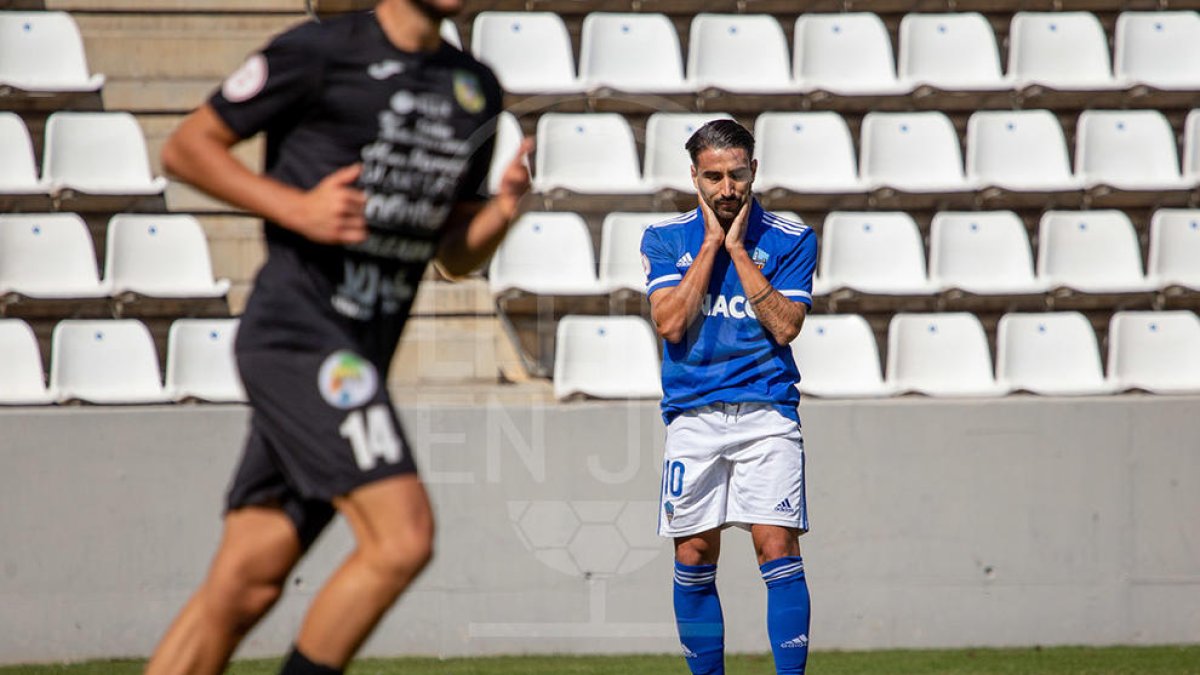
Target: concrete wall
{"type": "Point", "coordinates": [1004, 522]}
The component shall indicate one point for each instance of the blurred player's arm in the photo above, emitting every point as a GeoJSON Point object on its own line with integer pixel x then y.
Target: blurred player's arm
{"type": "Point", "coordinates": [199, 152]}
{"type": "Point", "coordinates": [477, 228]}
{"type": "Point", "coordinates": [673, 309]}
{"type": "Point", "coordinates": [780, 317]}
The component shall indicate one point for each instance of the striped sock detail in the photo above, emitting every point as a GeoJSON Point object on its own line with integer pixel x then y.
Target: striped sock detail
{"type": "Point", "coordinates": [782, 568]}
{"type": "Point", "coordinates": [695, 575]}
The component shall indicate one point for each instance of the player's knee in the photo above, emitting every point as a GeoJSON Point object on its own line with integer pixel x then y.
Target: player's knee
{"type": "Point", "coordinates": [240, 601]}
{"type": "Point", "coordinates": [403, 552]}
{"type": "Point", "coordinates": [776, 548]}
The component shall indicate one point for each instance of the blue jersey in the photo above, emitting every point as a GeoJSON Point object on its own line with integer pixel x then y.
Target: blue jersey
{"type": "Point", "coordinates": [726, 355]}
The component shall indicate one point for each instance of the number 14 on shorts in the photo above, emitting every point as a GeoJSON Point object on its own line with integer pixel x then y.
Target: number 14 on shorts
{"type": "Point", "coordinates": [372, 436]}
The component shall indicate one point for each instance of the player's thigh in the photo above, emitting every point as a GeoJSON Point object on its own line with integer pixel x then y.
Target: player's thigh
{"type": "Point", "coordinates": [767, 485]}
{"type": "Point", "coordinates": [259, 547]}
{"type": "Point", "coordinates": [695, 477]}
{"type": "Point", "coordinates": [391, 519]}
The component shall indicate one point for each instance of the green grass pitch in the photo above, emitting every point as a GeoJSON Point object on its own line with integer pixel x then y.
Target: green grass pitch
{"type": "Point", "coordinates": [1035, 661]}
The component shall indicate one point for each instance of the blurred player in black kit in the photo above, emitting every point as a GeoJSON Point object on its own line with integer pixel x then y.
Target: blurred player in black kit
{"type": "Point", "coordinates": [379, 139]}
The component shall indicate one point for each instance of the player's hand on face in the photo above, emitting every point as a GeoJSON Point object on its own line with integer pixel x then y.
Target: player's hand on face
{"type": "Point", "coordinates": [514, 182]}
{"type": "Point", "coordinates": [713, 232]}
{"type": "Point", "coordinates": [333, 212]}
{"type": "Point", "coordinates": [736, 237]}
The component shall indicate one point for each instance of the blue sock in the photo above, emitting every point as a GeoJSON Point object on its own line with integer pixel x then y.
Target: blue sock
{"type": "Point", "coordinates": [787, 613]}
{"type": "Point", "coordinates": [698, 616]}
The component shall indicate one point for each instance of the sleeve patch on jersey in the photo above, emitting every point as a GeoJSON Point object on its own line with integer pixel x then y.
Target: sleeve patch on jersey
{"type": "Point", "coordinates": [246, 82]}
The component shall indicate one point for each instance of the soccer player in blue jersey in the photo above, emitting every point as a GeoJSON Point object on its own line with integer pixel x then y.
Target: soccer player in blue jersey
{"type": "Point", "coordinates": [729, 287]}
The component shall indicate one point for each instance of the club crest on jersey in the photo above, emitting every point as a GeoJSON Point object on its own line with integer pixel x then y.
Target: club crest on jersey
{"type": "Point", "coordinates": [246, 82]}
{"type": "Point", "coordinates": [347, 380]}
{"type": "Point", "coordinates": [760, 257]}
{"type": "Point", "coordinates": [468, 92]}
{"type": "Point", "coordinates": [385, 69]}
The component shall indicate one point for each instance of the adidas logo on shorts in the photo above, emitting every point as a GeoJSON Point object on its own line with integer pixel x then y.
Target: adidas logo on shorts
{"type": "Point", "coordinates": [785, 506]}
{"type": "Point", "coordinates": [796, 642]}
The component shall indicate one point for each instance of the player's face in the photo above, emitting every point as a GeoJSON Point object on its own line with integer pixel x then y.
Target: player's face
{"type": "Point", "coordinates": [723, 178]}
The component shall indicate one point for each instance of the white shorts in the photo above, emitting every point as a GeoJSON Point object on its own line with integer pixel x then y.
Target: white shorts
{"type": "Point", "coordinates": [732, 464]}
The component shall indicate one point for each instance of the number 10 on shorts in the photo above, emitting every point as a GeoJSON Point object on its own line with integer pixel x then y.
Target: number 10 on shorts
{"type": "Point", "coordinates": [372, 436]}
{"type": "Point", "coordinates": [673, 478]}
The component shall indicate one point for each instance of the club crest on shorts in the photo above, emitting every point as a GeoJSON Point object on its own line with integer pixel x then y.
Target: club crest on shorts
{"type": "Point", "coordinates": [347, 380]}
{"type": "Point", "coordinates": [468, 92]}
{"type": "Point", "coordinates": [670, 509]}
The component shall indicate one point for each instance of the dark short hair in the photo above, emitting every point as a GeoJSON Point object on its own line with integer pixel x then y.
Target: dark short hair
{"type": "Point", "coordinates": [718, 135]}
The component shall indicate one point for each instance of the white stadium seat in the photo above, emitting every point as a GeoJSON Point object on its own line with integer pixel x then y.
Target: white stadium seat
{"type": "Point", "coordinates": [621, 249]}
{"type": "Point", "coordinates": [163, 256]}
{"type": "Point", "coordinates": [849, 53]}
{"type": "Point", "coordinates": [22, 380]}
{"type": "Point", "coordinates": [1022, 150]}
{"type": "Point", "coordinates": [587, 153]}
{"type": "Point", "coordinates": [1060, 50]}
{"type": "Point", "coordinates": [1127, 149]}
{"type": "Point", "coordinates": [508, 143]}
{"type": "Point", "coordinates": [668, 164]}
{"type": "Point", "coordinates": [529, 51]}
{"type": "Point", "coordinates": [48, 256]}
{"type": "Point", "coordinates": [741, 53]}
{"type": "Point", "coordinates": [18, 170]}
{"type": "Point", "coordinates": [873, 252]}
{"type": "Point", "coordinates": [98, 153]}
{"type": "Point", "coordinates": [1191, 148]}
{"type": "Point", "coordinates": [1050, 353]}
{"type": "Point", "coordinates": [981, 252]}
{"type": "Point", "coordinates": [108, 361]}
{"type": "Point", "coordinates": [1155, 351]}
{"type": "Point", "coordinates": [606, 357]}
{"type": "Point", "coordinates": [633, 53]}
{"type": "Point", "coordinates": [200, 361]}
{"type": "Point", "coordinates": [547, 254]}
{"type": "Point", "coordinates": [1160, 49]}
{"type": "Point", "coordinates": [914, 152]}
{"type": "Point", "coordinates": [1090, 251]}
{"type": "Point", "coordinates": [43, 52]}
{"type": "Point", "coordinates": [949, 51]}
{"type": "Point", "coordinates": [940, 355]}
{"type": "Point", "coordinates": [1175, 248]}
{"type": "Point", "coordinates": [805, 152]}
{"type": "Point", "coordinates": [838, 357]}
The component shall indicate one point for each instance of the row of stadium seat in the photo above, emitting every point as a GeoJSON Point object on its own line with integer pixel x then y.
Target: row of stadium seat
{"type": "Point", "coordinates": [52, 256]}
{"type": "Point", "coordinates": [919, 152]}
{"type": "Point", "coordinates": [980, 252]}
{"type": "Point", "coordinates": [841, 53]}
{"type": "Point", "coordinates": [102, 153]}
{"type": "Point", "coordinates": [114, 361]}
{"type": "Point", "coordinates": [943, 355]}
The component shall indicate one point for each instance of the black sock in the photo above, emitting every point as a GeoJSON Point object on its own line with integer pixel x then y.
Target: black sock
{"type": "Point", "coordinates": [298, 664]}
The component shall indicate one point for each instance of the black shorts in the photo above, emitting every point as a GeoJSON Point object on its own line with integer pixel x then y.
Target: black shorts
{"type": "Point", "coordinates": [322, 425]}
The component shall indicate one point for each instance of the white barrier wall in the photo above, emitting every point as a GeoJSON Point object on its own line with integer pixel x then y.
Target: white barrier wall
{"type": "Point", "coordinates": [1018, 521]}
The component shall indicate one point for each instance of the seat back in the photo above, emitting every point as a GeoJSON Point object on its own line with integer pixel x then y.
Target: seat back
{"type": "Point", "coordinates": [910, 151]}
{"type": "Point", "coordinates": [48, 256]}
{"type": "Point", "coordinates": [738, 52]}
{"type": "Point", "coordinates": [43, 51]}
{"type": "Point", "coordinates": [980, 252]}
{"type": "Point", "coordinates": [1155, 351]}
{"type": "Point", "coordinates": [630, 52]}
{"type": "Point", "coordinates": [22, 379]}
{"type": "Point", "coordinates": [1174, 256]}
{"type": "Point", "coordinates": [1062, 50]}
{"type": "Point", "coordinates": [545, 253]}
{"type": "Point", "coordinates": [106, 361]}
{"type": "Point", "coordinates": [1158, 48]}
{"type": "Point", "coordinates": [200, 360]}
{"type": "Point", "coordinates": [1126, 148]}
{"type": "Point", "coordinates": [872, 251]}
{"type": "Point", "coordinates": [587, 152]}
{"type": "Point", "coordinates": [837, 355]}
{"type": "Point", "coordinates": [96, 152]}
{"type": "Point", "coordinates": [1023, 149]}
{"type": "Point", "coordinates": [949, 51]}
{"type": "Point", "coordinates": [939, 354]}
{"type": "Point", "coordinates": [18, 172]}
{"type": "Point", "coordinates": [621, 246]}
{"type": "Point", "coordinates": [1049, 353]}
{"type": "Point", "coordinates": [529, 51]}
{"type": "Point", "coordinates": [804, 151]}
{"type": "Point", "coordinates": [1089, 250]}
{"type": "Point", "coordinates": [838, 52]}
{"type": "Point", "coordinates": [606, 357]}
{"type": "Point", "coordinates": [159, 255]}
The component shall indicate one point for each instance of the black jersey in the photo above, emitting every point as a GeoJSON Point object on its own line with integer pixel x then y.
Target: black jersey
{"type": "Point", "coordinates": [329, 95]}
